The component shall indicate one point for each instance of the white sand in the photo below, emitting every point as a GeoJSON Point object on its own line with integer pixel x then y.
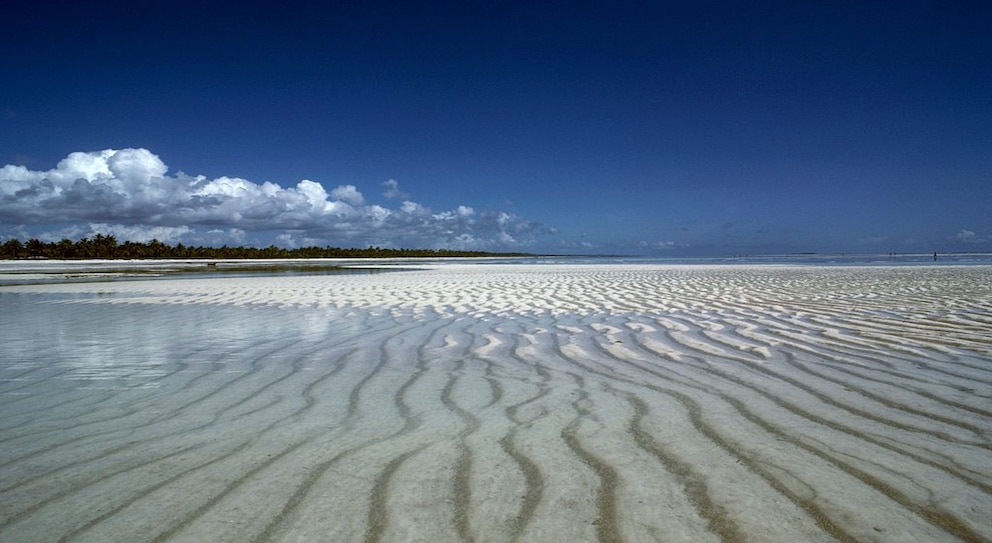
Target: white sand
{"type": "Point", "coordinates": [502, 402]}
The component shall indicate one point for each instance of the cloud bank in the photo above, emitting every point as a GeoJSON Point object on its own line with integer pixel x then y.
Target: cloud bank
{"type": "Point", "coordinates": [129, 194]}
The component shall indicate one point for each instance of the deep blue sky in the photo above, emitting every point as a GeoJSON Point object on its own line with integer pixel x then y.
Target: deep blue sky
{"type": "Point", "coordinates": [635, 127]}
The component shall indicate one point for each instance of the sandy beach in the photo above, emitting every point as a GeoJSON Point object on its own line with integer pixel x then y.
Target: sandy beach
{"type": "Point", "coordinates": [500, 403]}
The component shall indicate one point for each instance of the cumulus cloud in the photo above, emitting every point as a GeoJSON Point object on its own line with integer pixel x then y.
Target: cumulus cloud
{"type": "Point", "coordinates": [138, 233]}
{"type": "Point", "coordinates": [968, 236]}
{"type": "Point", "coordinates": [348, 193]}
{"type": "Point", "coordinates": [392, 190]}
{"type": "Point", "coordinates": [130, 194]}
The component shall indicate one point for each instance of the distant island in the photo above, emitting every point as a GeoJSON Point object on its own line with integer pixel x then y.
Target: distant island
{"type": "Point", "coordinates": [107, 247]}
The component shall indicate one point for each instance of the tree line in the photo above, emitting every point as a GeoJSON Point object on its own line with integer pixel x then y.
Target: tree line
{"type": "Point", "coordinates": [106, 247]}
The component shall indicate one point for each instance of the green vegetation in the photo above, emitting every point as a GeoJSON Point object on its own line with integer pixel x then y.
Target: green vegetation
{"type": "Point", "coordinates": [106, 247]}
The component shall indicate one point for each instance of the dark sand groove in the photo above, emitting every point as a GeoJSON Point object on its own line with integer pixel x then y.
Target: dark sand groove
{"type": "Point", "coordinates": [18, 509]}
{"type": "Point", "coordinates": [803, 502]}
{"type": "Point", "coordinates": [695, 415]}
{"type": "Point", "coordinates": [607, 529]}
{"type": "Point", "coordinates": [533, 481]}
{"type": "Point", "coordinates": [128, 430]}
{"type": "Point", "coordinates": [893, 379]}
{"type": "Point", "coordinates": [830, 359]}
{"type": "Point", "coordinates": [870, 408]}
{"type": "Point", "coordinates": [219, 494]}
{"type": "Point", "coordinates": [936, 516]}
{"type": "Point", "coordinates": [292, 503]}
{"type": "Point", "coordinates": [689, 477]}
{"type": "Point", "coordinates": [534, 484]}
{"type": "Point", "coordinates": [899, 448]}
{"type": "Point", "coordinates": [462, 493]}
{"type": "Point", "coordinates": [308, 402]}
{"type": "Point", "coordinates": [378, 507]}
{"type": "Point", "coordinates": [502, 403]}
{"type": "Point", "coordinates": [929, 412]}
{"type": "Point", "coordinates": [26, 381]}
{"type": "Point", "coordinates": [952, 524]}
{"type": "Point", "coordinates": [312, 446]}
{"type": "Point", "coordinates": [290, 507]}
{"type": "Point", "coordinates": [946, 521]}
{"type": "Point", "coordinates": [115, 510]}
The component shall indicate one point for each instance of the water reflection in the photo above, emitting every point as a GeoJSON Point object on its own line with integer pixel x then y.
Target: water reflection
{"type": "Point", "coordinates": [105, 345]}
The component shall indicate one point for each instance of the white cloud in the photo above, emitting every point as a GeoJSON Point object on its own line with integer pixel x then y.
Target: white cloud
{"type": "Point", "coordinates": [287, 240]}
{"type": "Point", "coordinates": [965, 235]}
{"type": "Point", "coordinates": [393, 190]}
{"type": "Point", "coordinates": [128, 193]}
{"type": "Point", "coordinates": [123, 232]}
{"type": "Point", "coordinates": [348, 193]}
{"type": "Point", "coordinates": [413, 209]}
{"type": "Point", "coordinates": [463, 213]}
{"type": "Point", "coordinates": [968, 236]}
{"type": "Point", "coordinates": [142, 234]}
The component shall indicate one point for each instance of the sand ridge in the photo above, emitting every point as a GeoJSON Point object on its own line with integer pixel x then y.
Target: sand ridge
{"type": "Point", "coordinates": [506, 403]}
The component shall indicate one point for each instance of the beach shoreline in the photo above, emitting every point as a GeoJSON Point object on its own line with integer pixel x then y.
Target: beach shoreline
{"type": "Point", "coordinates": [505, 401]}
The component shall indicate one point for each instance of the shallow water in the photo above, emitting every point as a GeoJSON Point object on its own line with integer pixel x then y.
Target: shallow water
{"type": "Point", "coordinates": [502, 403]}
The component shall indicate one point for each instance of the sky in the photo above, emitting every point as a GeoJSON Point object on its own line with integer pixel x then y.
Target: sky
{"type": "Point", "coordinates": [648, 128]}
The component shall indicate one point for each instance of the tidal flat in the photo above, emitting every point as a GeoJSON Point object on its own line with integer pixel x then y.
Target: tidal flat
{"type": "Point", "coordinates": [502, 402]}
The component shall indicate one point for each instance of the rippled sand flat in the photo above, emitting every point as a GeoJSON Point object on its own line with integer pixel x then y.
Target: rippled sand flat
{"type": "Point", "coordinates": [499, 402]}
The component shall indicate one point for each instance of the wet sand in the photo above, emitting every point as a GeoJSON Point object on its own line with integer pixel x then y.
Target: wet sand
{"type": "Point", "coordinates": [502, 402]}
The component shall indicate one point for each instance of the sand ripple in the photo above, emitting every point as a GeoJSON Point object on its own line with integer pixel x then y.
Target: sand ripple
{"type": "Point", "coordinates": [502, 403]}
